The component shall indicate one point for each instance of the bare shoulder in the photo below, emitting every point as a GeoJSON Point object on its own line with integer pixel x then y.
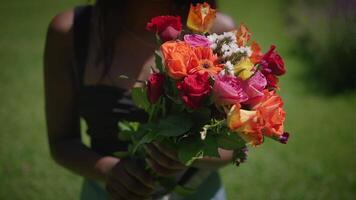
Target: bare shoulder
{"type": "Point", "coordinates": [223, 23]}
{"type": "Point", "coordinates": [58, 52]}
{"type": "Point", "coordinates": [59, 35]}
{"type": "Point", "coordinates": [62, 23]}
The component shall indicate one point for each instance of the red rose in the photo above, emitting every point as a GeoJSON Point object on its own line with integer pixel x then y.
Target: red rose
{"type": "Point", "coordinates": [273, 61]}
{"type": "Point", "coordinates": [166, 27]}
{"type": "Point", "coordinates": [193, 89]}
{"type": "Point", "coordinates": [272, 80]}
{"type": "Point", "coordinates": [155, 87]}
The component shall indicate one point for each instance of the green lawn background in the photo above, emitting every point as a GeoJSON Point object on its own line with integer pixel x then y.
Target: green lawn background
{"type": "Point", "coordinates": [318, 162]}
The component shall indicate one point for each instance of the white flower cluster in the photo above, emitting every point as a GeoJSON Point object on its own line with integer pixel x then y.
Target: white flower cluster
{"type": "Point", "coordinates": [215, 38]}
{"type": "Point", "coordinates": [228, 69]}
{"type": "Point", "coordinates": [228, 43]}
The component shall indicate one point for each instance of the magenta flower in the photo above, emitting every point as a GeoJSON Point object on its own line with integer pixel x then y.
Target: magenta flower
{"type": "Point", "coordinates": [284, 138]}
{"type": "Point", "coordinates": [228, 90]}
{"type": "Point", "coordinates": [254, 87]}
{"type": "Point", "coordinates": [196, 40]}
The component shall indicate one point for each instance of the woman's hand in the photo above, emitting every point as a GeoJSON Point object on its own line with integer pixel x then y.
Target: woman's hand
{"type": "Point", "coordinates": [214, 163]}
{"type": "Point", "coordinates": [128, 180]}
{"type": "Point", "coordinates": [163, 160]}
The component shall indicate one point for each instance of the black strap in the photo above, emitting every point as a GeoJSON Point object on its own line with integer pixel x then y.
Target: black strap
{"type": "Point", "coordinates": [81, 30]}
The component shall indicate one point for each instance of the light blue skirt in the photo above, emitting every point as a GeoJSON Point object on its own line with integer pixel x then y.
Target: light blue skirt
{"type": "Point", "coordinates": [211, 189]}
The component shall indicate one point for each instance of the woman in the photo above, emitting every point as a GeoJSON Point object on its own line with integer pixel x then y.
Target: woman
{"type": "Point", "coordinates": [87, 48]}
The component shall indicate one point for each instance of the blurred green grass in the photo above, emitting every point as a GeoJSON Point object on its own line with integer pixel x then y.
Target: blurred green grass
{"type": "Point", "coordinates": [318, 162]}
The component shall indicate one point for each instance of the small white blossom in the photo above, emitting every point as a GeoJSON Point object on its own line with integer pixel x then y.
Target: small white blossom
{"type": "Point", "coordinates": [222, 72]}
{"type": "Point", "coordinates": [204, 132]}
{"type": "Point", "coordinates": [228, 35]}
{"type": "Point", "coordinates": [247, 50]}
{"type": "Point", "coordinates": [213, 37]}
{"type": "Point", "coordinates": [229, 68]}
{"type": "Point", "coordinates": [229, 65]}
{"type": "Point", "coordinates": [213, 46]}
{"type": "Point", "coordinates": [225, 47]}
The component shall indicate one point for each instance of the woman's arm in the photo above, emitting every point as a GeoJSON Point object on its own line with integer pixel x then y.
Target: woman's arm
{"type": "Point", "coordinates": [62, 117]}
{"type": "Point", "coordinates": [124, 178]}
{"type": "Point", "coordinates": [223, 23]}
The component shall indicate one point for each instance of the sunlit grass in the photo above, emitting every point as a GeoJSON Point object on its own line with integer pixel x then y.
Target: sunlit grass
{"type": "Point", "coordinates": [318, 162]}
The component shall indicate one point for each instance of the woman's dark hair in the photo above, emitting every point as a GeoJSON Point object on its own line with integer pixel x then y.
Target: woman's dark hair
{"type": "Point", "coordinates": [107, 33]}
{"type": "Point", "coordinates": [187, 2]}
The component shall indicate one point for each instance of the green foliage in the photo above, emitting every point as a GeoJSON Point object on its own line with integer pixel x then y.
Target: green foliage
{"type": "Point", "coordinates": [146, 139]}
{"type": "Point", "coordinates": [200, 117]}
{"type": "Point", "coordinates": [211, 146]}
{"type": "Point", "coordinates": [139, 97]}
{"type": "Point", "coordinates": [174, 125]}
{"type": "Point", "coordinates": [122, 154]}
{"type": "Point", "coordinates": [230, 141]}
{"type": "Point", "coordinates": [190, 149]}
{"type": "Point", "coordinates": [127, 129]}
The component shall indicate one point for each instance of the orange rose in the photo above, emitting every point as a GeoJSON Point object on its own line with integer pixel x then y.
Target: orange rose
{"type": "Point", "coordinates": [246, 124]}
{"type": "Point", "coordinates": [271, 113]}
{"type": "Point", "coordinates": [182, 59]}
{"type": "Point", "coordinates": [177, 57]}
{"type": "Point", "coordinates": [243, 35]}
{"type": "Point", "coordinates": [201, 17]}
{"type": "Point", "coordinates": [265, 119]}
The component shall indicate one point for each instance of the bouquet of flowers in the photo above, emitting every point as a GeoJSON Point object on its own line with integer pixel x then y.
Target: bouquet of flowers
{"type": "Point", "coordinates": [208, 91]}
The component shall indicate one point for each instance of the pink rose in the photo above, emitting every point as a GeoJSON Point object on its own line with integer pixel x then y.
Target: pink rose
{"type": "Point", "coordinates": [228, 90]}
{"type": "Point", "coordinates": [169, 33]}
{"type": "Point", "coordinates": [196, 40]}
{"type": "Point", "coordinates": [254, 87]}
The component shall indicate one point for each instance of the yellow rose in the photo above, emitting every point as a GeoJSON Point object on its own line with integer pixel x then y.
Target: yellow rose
{"type": "Point", "coordinates": [245, 124]}
{"type": "Point", "coordinates": [244, 68]}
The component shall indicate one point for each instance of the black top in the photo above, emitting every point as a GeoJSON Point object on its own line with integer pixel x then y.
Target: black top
{"type": "Point", "coordinates": [101, 106]}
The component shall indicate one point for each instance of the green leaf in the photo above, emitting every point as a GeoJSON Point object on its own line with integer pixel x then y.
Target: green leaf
{"type": "Point", "coordinates": [200, 117]}
{"type": "Point", "coordinates": [230, 141]}
{"type": "Point", "coordinates": [128, 126]}
{"type": "Point", "coordinates": [124, 126]}
{"type": "Point", "coordinates": [174, 125]}
{"type": "Point", "coordinates": [122, 154]}
{"type": "Point", "coordinates": [125, 135]}
{"type": "Point", "coordinates": [158, 61]}
{"type": "Point", "coordinates": [190, 149]}
{"type": "Point", "coordinates": [127, 130]}
{"type": "Point", "coordinates": [139, 97]}
{"type": "Point", "coordinates": [211, 146]}
{"type": "Point", "coordinates": [148, 138]}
